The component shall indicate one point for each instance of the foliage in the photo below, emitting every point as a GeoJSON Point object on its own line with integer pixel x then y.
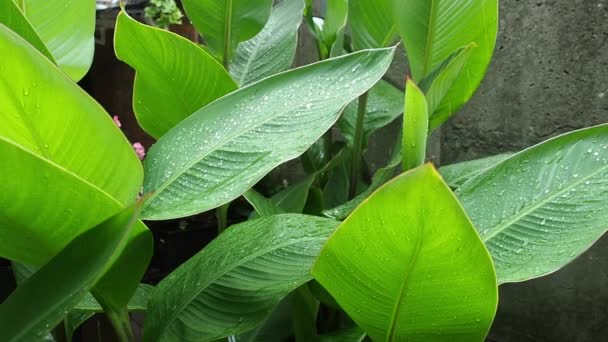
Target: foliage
{"type": "Point", "coordinates": [163, 13]}
{"type": "Point", "coordinates": [412, 260]}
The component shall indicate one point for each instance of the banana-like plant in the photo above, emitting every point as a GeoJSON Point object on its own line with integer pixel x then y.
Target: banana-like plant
{"type": "Point", "coordinates": [420, 252]}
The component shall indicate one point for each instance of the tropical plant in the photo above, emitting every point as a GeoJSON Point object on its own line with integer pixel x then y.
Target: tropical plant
{"type": "Point", "coordinates": [418, 256]}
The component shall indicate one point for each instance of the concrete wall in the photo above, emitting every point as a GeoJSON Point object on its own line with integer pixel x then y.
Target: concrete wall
{"type": "Point", "coordinates": [549, 76]}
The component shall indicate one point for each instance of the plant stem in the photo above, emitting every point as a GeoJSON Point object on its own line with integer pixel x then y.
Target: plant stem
{"type": "Point", "coordinates": [222, 217]}
{"type": "Point", "coordinates": [227, 33]}
{"type": "Point", "coordinates": [357, 146]}
{"type": "Point", "coordinates": [121, 322]}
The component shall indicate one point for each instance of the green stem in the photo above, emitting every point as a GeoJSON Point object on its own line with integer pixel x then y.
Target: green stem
{"type": "Point", "coordinates": [357, 146]}
{"type": "Point", "coordinates": [122, 324]}
{"type": "Point", "coordinates": [227, 33]}
{"type": "Point", "coordinates": [222, 217]}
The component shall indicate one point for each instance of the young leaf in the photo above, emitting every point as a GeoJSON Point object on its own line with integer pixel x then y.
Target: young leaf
{"type": "Point", "coordinates": [407, 265]}
{"type": "Point", "coordinates": [65, 279]}
{"type": "Point", "coordinates": [273, 49]}
{"type": "Point", "coordinates": [70, 40]}
{"type": "Point", "coordinates": [233, 284]}
{"type": "Point", "coordinates": [60, 180]}
{"type": "Point", "coordinates": [331, 33]}
{"type": "Point", "coordinates": [12, 16]}
{"type": "Point", "coordinates": [415, 127]}
{"type": "Point", "coordinates": [543, 207]}
{"type": "Point", "coordinates": [441, 81]}
{"type": "Point", "coordinates": [432, 30]}
{"type": "Point", "coordinates": [371, 23]}
{"type": "Point", "coordinates": [457, 174]}
{"type": "Point", "coordinates": [225, 23]}
{"type": "Point", "coordinates": [384, 105]}
{"type": "Point", "coordinates": [175, 77]}
{"type": "Point", "coordinates": [261, 205]}
{"type": "Point", "coordinates": [222, 150]}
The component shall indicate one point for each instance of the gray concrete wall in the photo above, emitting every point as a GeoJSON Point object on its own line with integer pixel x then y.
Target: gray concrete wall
{"type": "Point", "coordinates": [549, 76]}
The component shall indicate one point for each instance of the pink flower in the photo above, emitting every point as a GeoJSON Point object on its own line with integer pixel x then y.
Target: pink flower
{"type": "Point", "coordinates": [140, 150]}
{"type": "Point", "coordinates": [116, 121]}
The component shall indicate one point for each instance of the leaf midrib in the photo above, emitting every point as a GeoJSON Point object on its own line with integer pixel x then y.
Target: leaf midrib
{"type": "Point", "coordinates": [230, 268]}
{"type": "Point", "coordinates": [405, 285]}
{"type": "Point", "coordinates": [503, 226]}
{"type": "Point", "coordinates": [61, 169]}
{"type": "Point", "coordinates": [429, 39]}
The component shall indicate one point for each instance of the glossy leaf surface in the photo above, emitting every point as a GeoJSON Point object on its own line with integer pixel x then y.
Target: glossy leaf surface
{"type": "Point", "coordinates": [543, 207]}
{"type": "Point", "coordinates": [371, 23]}
{"type": "Point", "coordinates": [72, 179]}
{"type": "Point", "coordinates": [384, 104]}
{"type": "Point", "coordinates": [415, 127]}
{"type": "Point", "coordinates": [12, 17]}
{"type": "Point", "coordinates": [273, 49]}
{"type": "Point", "coordinates": [457, 174]}
{"type": "Point", "coordinates": [441, 81]}
{"type": "Point", "coordinates": [433, 30]}
{"type": "Point", "coordinates": [407, 265]}
{"type": "Point", "coordinates": [233, 284]}
{"type": "Point", "coordinates": [222, 150]}
{"type": "Point", "coordinates": [87, 258]}
{"type": "Point", "coordinates": [175, 77]}
{"type": "Point", "coordinates": [225, 23]}
{"type": "Point", "coordinates": [70, 39]}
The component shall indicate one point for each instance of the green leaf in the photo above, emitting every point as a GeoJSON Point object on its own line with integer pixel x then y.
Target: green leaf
{"type": "Point", "coordinates": [407, 265]}
{"type": "Point", "coordinates": [261, 205]}
{"type": "Point", "coordinates": [441, 80]}
{"type": "Point", "coordinates": [273, 49]}
{"type": "Point", "coordinates": [13, 18]}
{"type": "Point", "coordinates": [334, 24]}
{"type": "Point", "coordinates": [234, 283]}
{"type": "Point", "coordinates": [415, 127]}
{"type": "Point", "coordinates": [371, 23]}
{"type": "Point", "coordinates": [87, 258]}
{"type": "Point", "coordinates": [457, 174]}
{"type": "Point", "coordinates": [305, 308]}
{"type": "Point", "coordinates": [432, 30]}
{"type": "Point", "coordinates": [355, 334]}
{"type": "Point", "coordinates": [276, 327]}
{"type": "Point", "coordinates": [67, 29]}
{"type": "Point", "coordinates": [543, 207]}
{"type": "Point", "coordinates": [222, 150]}
{"type": "Point", "coordinates": [175, 77]}
{"type": "Point", "coordinates": [384, 105]}
{"type": "Point", "coordinates": [225, 23]}
{"type": "Point", "coordinates": [68, 173]}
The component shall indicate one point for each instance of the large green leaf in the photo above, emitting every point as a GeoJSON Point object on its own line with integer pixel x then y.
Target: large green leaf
{"type": "Point", "coordinates": [175, 77]}
{"type": "Point", "coordinates": [384, 104]}
{"type": "Point", "coordinates": [88, 306]}
{"type": "Point", "coordinates": [13, 18]}
{"type": "Point", "coordinates": [225, 23]}
{"type": "Point", "coordinates": [66, 173]}
{"type": "Point", "coordinates": [371, 23]}
{"type": "Point", "coordinates": [433, 30]}
{"type": "Point", "coordinates": [234, 283]}
{"type": "Point", "coordinates": [541, 208]}
{"type": "Point", "coordinates": [222, 150]}
{"type": "Point", "coordinates": [457, 174]}
{"type": "Point", "coordinates": [67, 29]}
{"type": "Point", "coordinates": [407, 265]}
{"type": "Point", "coordinates": [65, 279]}
{"type": "Point", "coordinates": [415, 127]}
{"type": "Point", "coordinates": [272, 50]}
